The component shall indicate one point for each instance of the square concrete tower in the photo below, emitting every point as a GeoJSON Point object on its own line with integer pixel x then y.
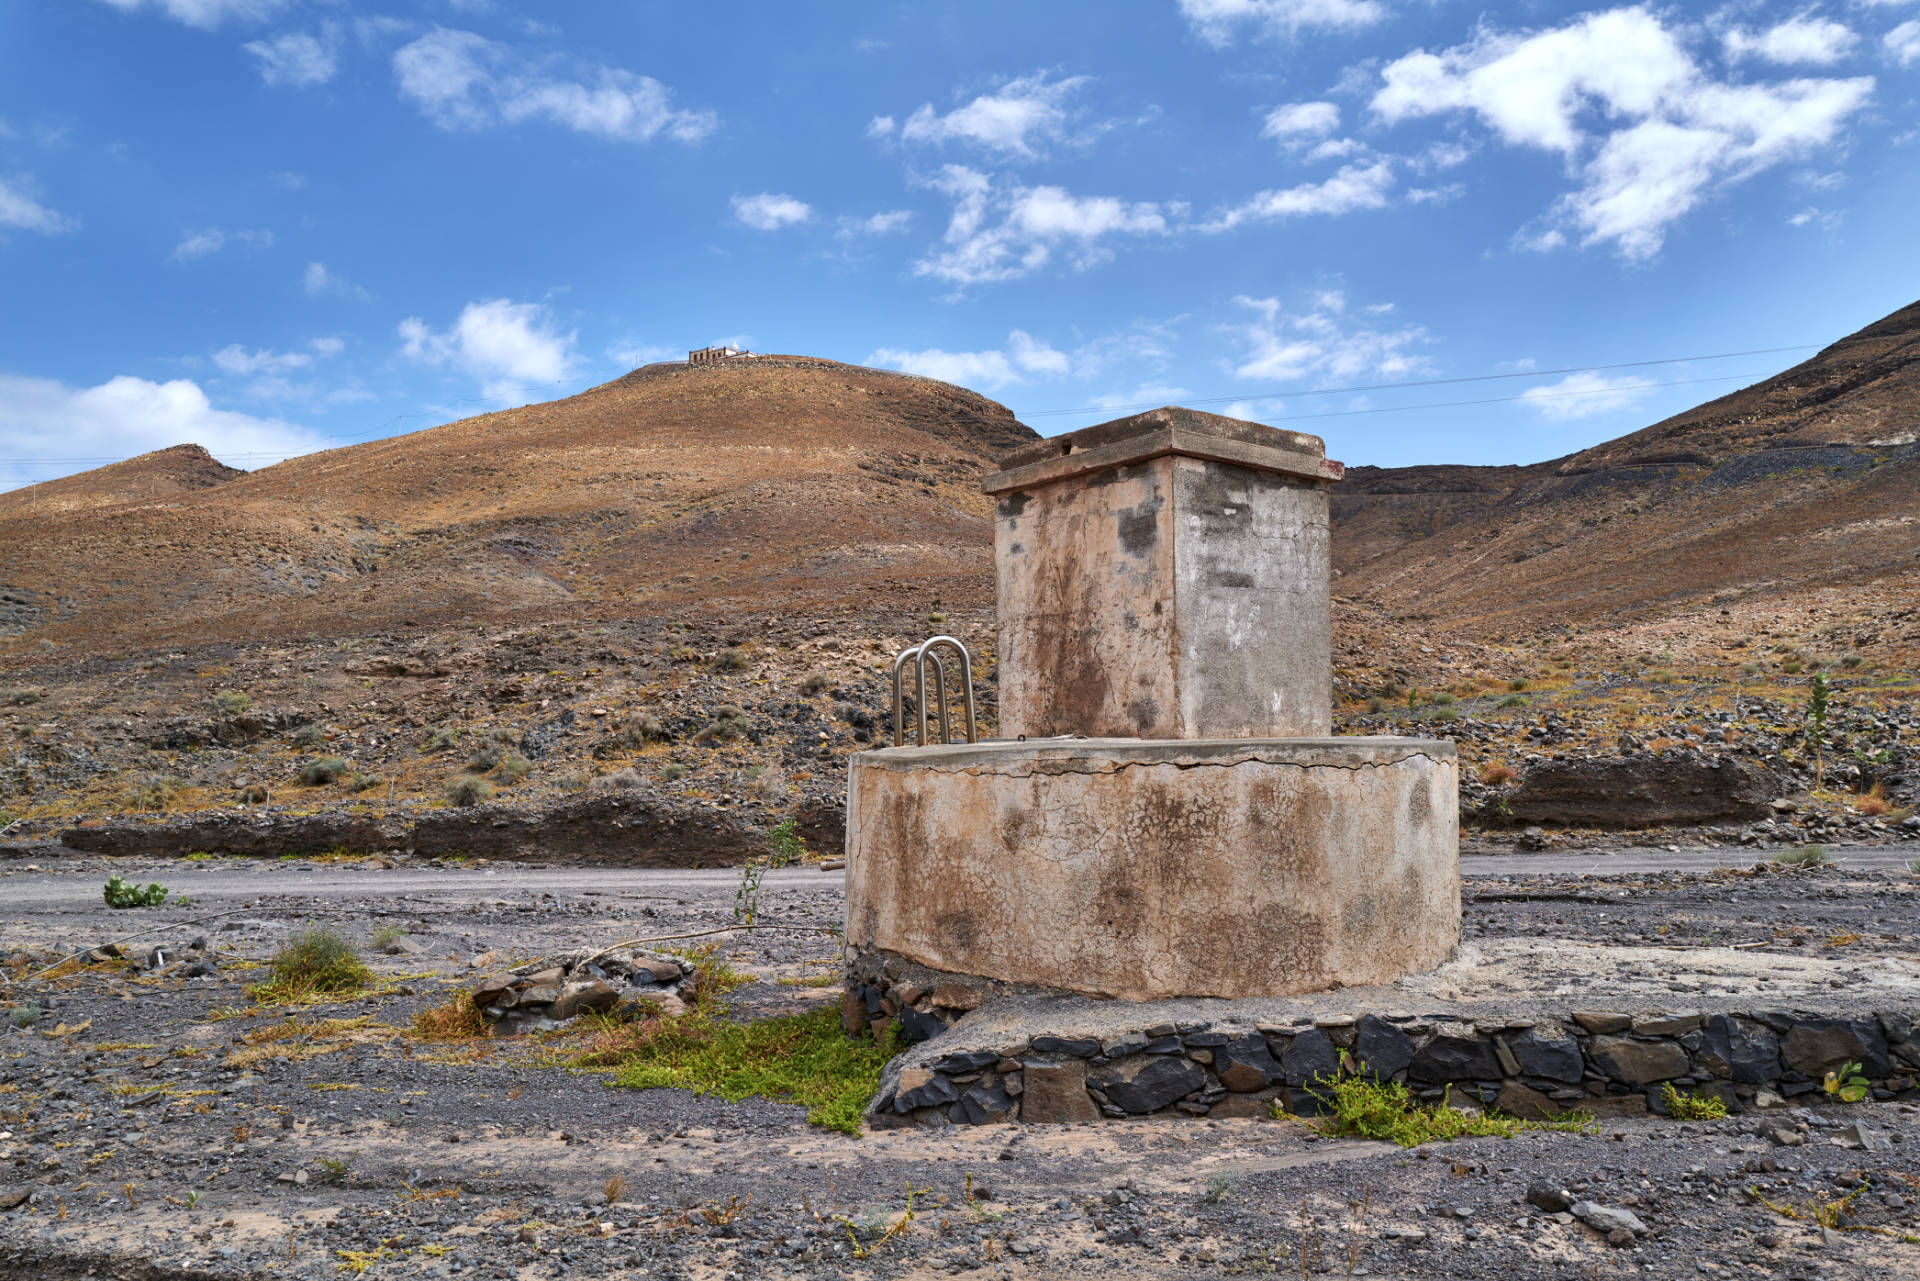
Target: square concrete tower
{"type": "Point", "coordinates": [1165, 576]}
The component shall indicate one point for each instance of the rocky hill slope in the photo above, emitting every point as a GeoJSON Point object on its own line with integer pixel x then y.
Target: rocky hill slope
{"type": "Point", "coordinates": [1807, 479]}
{"type": "Point", "coordinates": [772, 484]}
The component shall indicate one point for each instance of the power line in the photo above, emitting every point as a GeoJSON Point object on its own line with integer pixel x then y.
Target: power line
{"type": "Point", "coordinates": [1425, 382]}
{"type": "Point", "coordinates": [1533, 394]}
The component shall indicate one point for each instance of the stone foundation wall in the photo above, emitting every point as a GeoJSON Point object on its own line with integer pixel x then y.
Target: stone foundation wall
{"type": "Point", "coordinates": [1538, 1068]}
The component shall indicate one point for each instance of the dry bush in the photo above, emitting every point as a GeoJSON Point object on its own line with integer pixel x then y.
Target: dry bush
{"type": "Point", "coordinates": [459, 1019]}
{"type": "Point", "coordinates": [1494, 775]}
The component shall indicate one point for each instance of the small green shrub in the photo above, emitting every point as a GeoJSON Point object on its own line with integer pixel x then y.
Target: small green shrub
{"type": "Point", "coordinates": [625, 780]}
{"type": "Point", "coordinates": [815, 682]}
{"type": "Point", "coordinates": [1749, 669]}
{"type": "Point", "coordinates": [1692, 1107]}
{"type": "Point", "coordinates": [468, 790]}
{"type": "Point", "coordinates": [484, 758]}
{"type": "Point", "coordinates": [307, 736]}
{"type": "Point", "coordinates": [1804, 856]}
{"type": "Point", "coordinates": [1443, 700]}
{"type": "Point", "coordinates": [24, 1015]}
{"type": "Point", "coordinates": [314, 962]}
{"type": "Point", "coordinates": [1387, 1110]}
{"type": "Point", "coordinates": [333, 1169]}
{"type": "Point", "coordinates": [231, 701]}
{"type": "Point", "coordinates": [1792, 667]}
{"type": "Point", "coordinates": [512, 768]}
{"type": "Point", "coordinates": [365, 782]}
{"type": "Point", "coordinates": [120, 894]}
{"type": "Point", "coordinates": [437, 740]}
{"type": "Point", "coordinates": [785, 841]}
{"type": "Point", "coordinates": [1517, 684]}
{"type": "Point", "coordinates": [1513, 700]}
{"type": "Point", "coordinates": [385, 936]}
{"type": "Point", "coordinates": [673, 773]}
{"type": "Point", "coordinates": [22, 697]}
{"type": "Point", "coordinates": [1851, 661]}
{"type": "Point", "coordinates": [731, 660]}
{"type": "Point", "coordinates": [1376, 705]}
{"type": "Point", "coordinates": [1220, 1187]}
{"type": "Point", "coordinates": [328, 769]}
{"type": "Point", "coordinates": [1848, 1083]}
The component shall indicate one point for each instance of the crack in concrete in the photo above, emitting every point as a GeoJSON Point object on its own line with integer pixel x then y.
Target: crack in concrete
{"type": "Point", "coordinates": [1117, 767]}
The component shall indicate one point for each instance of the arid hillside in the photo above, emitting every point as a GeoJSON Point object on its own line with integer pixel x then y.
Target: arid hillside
{"type": "Point", "coordinates": [772, 484]}
{"type": "Point", "coordinates": [1805, 480]}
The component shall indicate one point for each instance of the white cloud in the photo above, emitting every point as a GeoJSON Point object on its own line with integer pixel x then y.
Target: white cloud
{"type": "Point", "coordinates": [20, 209]}
{"type": "Point", "coordinates": [1356, 186]}
{"type": "Point", "coordinates": [270, 373]}
{"type": "Point", "coordinates": [320, 282]}
{"type": "Point", "coordinates": [1013, 120]}
{"type": "Point", "coordinates": [295, 59]}
{"type": "Point", "coordinates": [769, 211]}
{"type": "Point", "coordinates": [1031, 222]}
{"type": "Point", "coordinates": [1216, 21]}
{"type": "Point", "coordinates": [1144, 396]}
{"type": "Point", "coordinates": [1903, 43]}
{"type": "Point", "coordinates": [1584, 395]}
{"type": "Point", "coordinates": [238, 361]}
{"type": "Point", "coordinates": [880, 127]}
{"type": "Point", "coordinates": [880, 224]}
{"type": "Point", "coordinates": [41, 418]}
{"type": "Point", "coordinates": [463, 81]}
{"type": "Point", "coordinates": [1279, 346]}
{"type": "Point", "coordinates": [512, 348]}
{"type": "Point", "coordinates": [206, 14]}
{"type": "Point", "coordinates": [1299, 122]}
{"type": "Point", "coordinates": [1646, 131]}
{"type": "Point", "coordinates": [1806, 39]}
{"type": "Point", "coordinates": [203, 244]}
{"type": "Point", "coordinates": [1023, 355]}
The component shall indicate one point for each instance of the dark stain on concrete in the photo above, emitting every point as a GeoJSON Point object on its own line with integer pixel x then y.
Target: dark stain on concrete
{"type": "Point", "coordinates": [1139, 527]}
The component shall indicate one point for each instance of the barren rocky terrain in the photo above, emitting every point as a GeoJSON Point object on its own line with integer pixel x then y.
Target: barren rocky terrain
{"type": "Point", "coordinates": [156, 1124]}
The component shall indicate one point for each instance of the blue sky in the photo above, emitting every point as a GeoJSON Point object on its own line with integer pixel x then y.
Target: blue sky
{"type": "Point", "coordinates": [272, 226]}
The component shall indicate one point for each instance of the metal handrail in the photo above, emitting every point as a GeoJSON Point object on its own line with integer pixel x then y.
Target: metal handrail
{"type": "Point", "coordinates": [920, 655]}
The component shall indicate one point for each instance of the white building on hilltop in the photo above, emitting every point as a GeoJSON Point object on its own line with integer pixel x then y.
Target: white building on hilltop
{"type": "Point", "coordinates": [714, 355]}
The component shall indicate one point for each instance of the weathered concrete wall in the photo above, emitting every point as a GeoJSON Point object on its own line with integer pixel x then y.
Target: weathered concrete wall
{"type": "Point", "coordinates": [1252, 605]}
{"type": "Point", "coordinates": [1166, 576]}
{"type": "Point", "coordinates": [1142, 870]}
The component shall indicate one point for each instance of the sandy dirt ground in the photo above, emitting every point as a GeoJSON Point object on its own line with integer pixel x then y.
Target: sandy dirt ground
{"type": "Point", "coordinates": [138, 1138]}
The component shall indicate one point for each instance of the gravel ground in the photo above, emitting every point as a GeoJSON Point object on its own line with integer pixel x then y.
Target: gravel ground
{"type": "Point", "coordinates": [130, 1147]}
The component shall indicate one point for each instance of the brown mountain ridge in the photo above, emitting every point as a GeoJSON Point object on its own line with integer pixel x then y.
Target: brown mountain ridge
{"type": "Point", "coordinates": [773, 483]}
{"type": "Point", "coordinates": [793, 485]}
{"type": "Point", "coordinates": [1808, 479]}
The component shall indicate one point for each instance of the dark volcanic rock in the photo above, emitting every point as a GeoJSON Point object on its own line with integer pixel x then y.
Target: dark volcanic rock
{"type": "Point", "coordinates": [1639, 1062]}
{"type": "Point", "coordinates": [1743, 1052]}
{"type": "Point", "coordinates": [1455, 1058]}
{"type": "Point", "coordinates": [1149, 1083]}
{"type": "Point", "coordinates": [1309, 1057]}
{"type": "Point", "coordinates": [1817, 1046]}
{"type": "Point", "coordinates": [1642, 790]}
{"type": "Point", "coordinates": [1244, 1064]}
{"type": "Point", "coordinates": [1557, 1059]}
{"type": "Point", "coordinates": [1383, 1049]}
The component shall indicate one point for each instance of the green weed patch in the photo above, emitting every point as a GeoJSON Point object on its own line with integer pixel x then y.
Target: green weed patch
{"type": "Point", "coordinates": [804, 1059]}
{"type": "Point", "coordinates": [1387, 1110]}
